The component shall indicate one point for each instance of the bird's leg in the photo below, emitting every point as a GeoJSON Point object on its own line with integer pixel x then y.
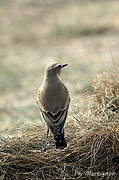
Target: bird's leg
{"type": "Point", "coordinates": [47, 132]}
{"type": "Point", "coordinates": [62, 131]}
{"type": "Point", "coordinates": [46, 139]}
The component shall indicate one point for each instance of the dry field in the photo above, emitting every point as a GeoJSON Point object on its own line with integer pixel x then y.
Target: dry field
{"type": "Point", "coordinates": [83, 34]}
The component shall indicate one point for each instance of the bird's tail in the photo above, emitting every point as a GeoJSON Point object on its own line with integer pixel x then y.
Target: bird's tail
{"type": "Point", "coordinates": [60, 141]}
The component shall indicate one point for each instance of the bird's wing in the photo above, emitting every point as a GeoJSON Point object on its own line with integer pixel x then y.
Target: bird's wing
{"type": "Point", "coordinates": [38, 100]}
{"type": "Point", "coordinates": [52, 119]}
{"type": "Point", "coordinates": [68, 96]}
{"type": "Point", "coordinates": [55, 122]}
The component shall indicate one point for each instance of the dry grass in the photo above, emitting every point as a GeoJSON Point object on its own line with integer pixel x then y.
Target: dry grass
{"type": "Point", "coordinates": [96, 151]}
{"type": "Point", "coordinates": [93, 150]}
{"type": "Point", "coordinates": [106, 91]}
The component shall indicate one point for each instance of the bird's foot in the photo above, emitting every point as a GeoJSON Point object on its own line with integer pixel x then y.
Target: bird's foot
{"type": "Point", "coordinates": [44, 148]}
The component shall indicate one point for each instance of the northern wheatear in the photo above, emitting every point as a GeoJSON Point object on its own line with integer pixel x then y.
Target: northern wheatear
{"type": "Point", "coordinates": [53, 100]}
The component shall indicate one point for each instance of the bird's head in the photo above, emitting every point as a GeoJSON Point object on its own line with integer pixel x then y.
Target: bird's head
{"type": "Point", "coordinates": [55, 68]}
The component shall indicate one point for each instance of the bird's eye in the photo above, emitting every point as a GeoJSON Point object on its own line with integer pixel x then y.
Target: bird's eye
{"type": "Point", "coordinates": [59, 66]}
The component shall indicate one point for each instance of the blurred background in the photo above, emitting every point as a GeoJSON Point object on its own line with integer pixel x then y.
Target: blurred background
{"type": "Point", "coordinates": [82, 33]}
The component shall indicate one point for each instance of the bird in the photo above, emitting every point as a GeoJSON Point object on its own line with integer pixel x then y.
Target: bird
{"type": "Point", "coordinates": [53, 100]}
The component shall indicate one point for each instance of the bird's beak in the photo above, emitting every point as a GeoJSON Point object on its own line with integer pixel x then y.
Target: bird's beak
{"type": "Point", "coordinates": [64, 65]}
